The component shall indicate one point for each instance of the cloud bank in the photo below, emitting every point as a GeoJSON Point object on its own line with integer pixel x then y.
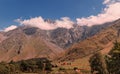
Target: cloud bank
{"type": "Point", "coordinates": [12, 27]}
{"type": "Point", "coordinates": [109, 14]}
{"type": "Point", "coordinates": [39, 22]}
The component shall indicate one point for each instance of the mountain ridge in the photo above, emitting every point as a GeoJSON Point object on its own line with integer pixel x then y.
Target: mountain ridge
{"type": "Point", "coordinates": [102, 41]}
{"type": "Point", "coordinates": [26, 42]}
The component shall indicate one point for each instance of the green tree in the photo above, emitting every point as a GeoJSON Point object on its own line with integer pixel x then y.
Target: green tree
{"type": "Point", "coordinates": [4, 68]}
{"type": "Point", "coordinates": [39, 64]}
{"type": "Point", "coordinates": [98, 64]}
{"type": "Point", "coordinates": [48, 65]}
{"type": "Point", "coordinates": [24, 66]}
{"type": "Point", "coordinates": [113, 59]}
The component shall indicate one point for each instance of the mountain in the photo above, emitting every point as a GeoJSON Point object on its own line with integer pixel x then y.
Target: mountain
{"type": "Point", "coordinates": [2, 37]}
{"type": "Point", "coordinates": [102, 41]}
{"type": "Point", "coordinates": [26, 43]}
{"type": "Point", "coordinates": [66, 37]}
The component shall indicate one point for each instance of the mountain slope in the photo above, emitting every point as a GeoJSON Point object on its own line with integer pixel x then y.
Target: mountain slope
{"type": "Point", "coordinates": [27, 42]}
{"type": "Point", "coordinates": [2, 37]}
{"type": "Point", "coordinates": [24, 43]}
{"type": "Point", "coordinates": [66, 37]}
{"type": "Point", "coordinates": [100, 41]}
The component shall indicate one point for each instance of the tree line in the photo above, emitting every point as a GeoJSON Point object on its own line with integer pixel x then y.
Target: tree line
{"type": "Point", "coordinates": [26, 66]}
{"type": "Point", "coordinates": [106, 64]}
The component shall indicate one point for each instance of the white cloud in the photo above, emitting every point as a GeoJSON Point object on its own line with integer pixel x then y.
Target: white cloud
{"type": "Point", "coordinates": [65, 22]}
{"type": "Point", "coordinates": [106, 1]}
{"type": "Point", "coordinates": [110, 1]}
{"type": "Point", "coordinates": [12, 27]}
{"type": "Point", "coordinates": [39, 22]}
{"type": "Point", "coordinates": [109, 14]}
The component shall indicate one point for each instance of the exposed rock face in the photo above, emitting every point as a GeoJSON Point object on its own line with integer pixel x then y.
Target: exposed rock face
{"type": "Point", "coordinates": [30, 31]}
{"type": "Point", "coordinates": [102, 41]}
{"type": "Point", "coordinates": [2, 37]}
{"type": "Point", "coordinates": [27, 42]}
{"type": "Point", "coordinates": [66, 37]}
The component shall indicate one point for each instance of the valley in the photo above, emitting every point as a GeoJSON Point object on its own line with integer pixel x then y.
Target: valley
{"type": "Point", "coordinates": [68, 49]}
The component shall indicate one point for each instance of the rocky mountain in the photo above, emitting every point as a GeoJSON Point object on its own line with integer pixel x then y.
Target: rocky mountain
{"type": "Point", "coordinates": [66, 37]}
{"type": "Point", "coordinates": [102, 41]}
{"type": "Point", "coordinates": [25, 43]}
{"type": "Point", "coordinates": [2, 37]}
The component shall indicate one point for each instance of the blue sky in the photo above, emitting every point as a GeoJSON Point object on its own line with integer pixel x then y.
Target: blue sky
{"type": "Point", "coordinates": [51, 9]}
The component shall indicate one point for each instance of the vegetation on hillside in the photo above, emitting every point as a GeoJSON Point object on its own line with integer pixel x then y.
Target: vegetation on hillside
{"type": "Point", "coordinates": [27, 66]}
{"type": "Point", "coordinates": [98, 64]}
{"type": "Point", "coordinates": [108, 64]}
{"type": "Point", "coordinates": [113, 59]}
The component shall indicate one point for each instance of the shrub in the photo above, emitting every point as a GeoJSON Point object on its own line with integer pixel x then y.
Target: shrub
{"type": "Point", "coordinates": [75, 68]}
{"type": "Point", "coordinates": [98, 64]}
{"type": "Point", "coordinates": [61, 68]}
